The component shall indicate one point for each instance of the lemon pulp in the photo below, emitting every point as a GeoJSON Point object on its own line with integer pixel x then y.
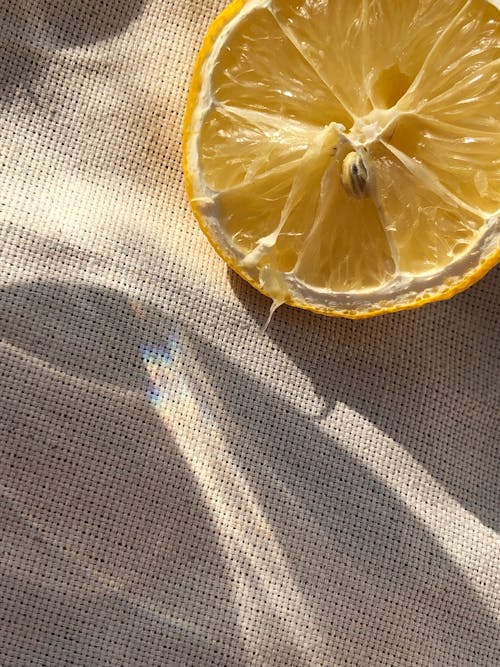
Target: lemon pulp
{"type": "Point", "coordinates": [344, 155]}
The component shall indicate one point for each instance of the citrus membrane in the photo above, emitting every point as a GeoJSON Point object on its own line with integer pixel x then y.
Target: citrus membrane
{"type": "Point", "coordinates": [344, 155]}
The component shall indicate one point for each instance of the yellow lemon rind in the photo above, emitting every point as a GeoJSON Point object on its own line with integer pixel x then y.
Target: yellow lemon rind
{"type": "Point", "coordinates": [440, 293]}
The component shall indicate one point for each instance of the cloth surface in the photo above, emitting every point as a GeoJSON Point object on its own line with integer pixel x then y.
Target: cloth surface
{"type": "Point", "coordinates": [179, 488]}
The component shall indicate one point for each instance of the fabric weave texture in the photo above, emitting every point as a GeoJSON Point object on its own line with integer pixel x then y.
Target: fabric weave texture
{"type": "Point", "coordinates": [178, 487]}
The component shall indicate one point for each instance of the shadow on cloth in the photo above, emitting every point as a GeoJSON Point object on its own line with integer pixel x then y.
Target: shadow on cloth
{"type": "Point", "coordinates": [349, 540]}
{"type": "Point", "coordinates": [415, 376]}
{"type": "Point", "coordinates": [31, 31]}
{"type": "Point", "coordinates": [113, 552]}
{"type": "Point", "coordinates": [68, 22]}
{"type": "Point", "coordinates": [83, 22]}
{"type": "Point", "coordinates": [20, 67]}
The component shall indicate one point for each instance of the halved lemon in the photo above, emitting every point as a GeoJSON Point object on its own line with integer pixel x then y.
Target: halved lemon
{"type": "Point", "coordinates": [344, 155]}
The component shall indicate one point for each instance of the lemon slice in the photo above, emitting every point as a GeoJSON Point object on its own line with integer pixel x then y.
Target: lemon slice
{"type": "Point", "coordinates": [344, 155]}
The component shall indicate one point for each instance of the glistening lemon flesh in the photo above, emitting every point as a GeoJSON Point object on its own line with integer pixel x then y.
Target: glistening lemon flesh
{"type": "Point", "coordinates": [344, 155]}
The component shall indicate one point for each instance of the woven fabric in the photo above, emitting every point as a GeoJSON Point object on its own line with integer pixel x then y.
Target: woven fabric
{"type": "Point", "coordinates": [178, 487]}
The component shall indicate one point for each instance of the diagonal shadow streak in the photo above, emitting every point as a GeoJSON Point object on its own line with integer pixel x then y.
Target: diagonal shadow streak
{"type": "Point", "coordinates": [420, 376]}
{"type": "Point", "coordinates": [342, 529]}
{"type": "Point", "coordinates": [109, 552]}
{"type": "Point", "coordinates": [33, 31]}
{"type": "Point", "coordinates": [408, 576]}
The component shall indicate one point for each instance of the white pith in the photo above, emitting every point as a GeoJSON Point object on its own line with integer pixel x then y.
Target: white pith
{"type": "Point", "coordinates": [285, 287]}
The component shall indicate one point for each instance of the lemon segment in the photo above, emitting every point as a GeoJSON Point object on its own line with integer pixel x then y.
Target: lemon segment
{"type": "Point", "coordinates": [428, 225]}
{"type": "Point", "coordinates": [238, 145]}
{"type": "Point", "coordinates": [464, 169]}
{"type": "Point", "coordinates": [259, 68]}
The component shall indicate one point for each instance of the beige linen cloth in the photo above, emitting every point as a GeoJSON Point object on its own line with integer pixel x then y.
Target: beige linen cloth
{"type": "Point", "coordinates": [177, 487]}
